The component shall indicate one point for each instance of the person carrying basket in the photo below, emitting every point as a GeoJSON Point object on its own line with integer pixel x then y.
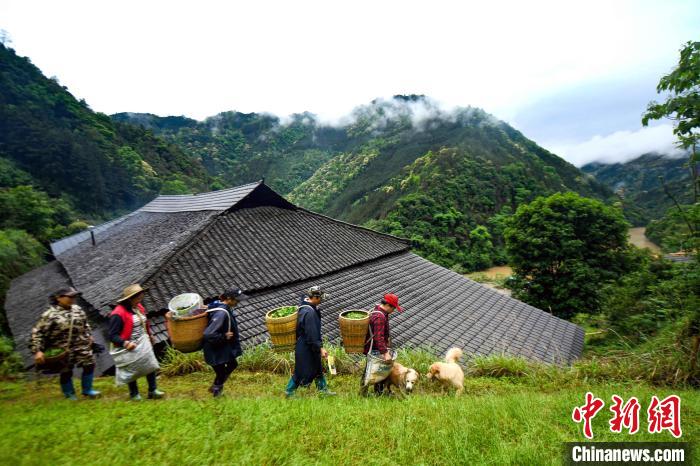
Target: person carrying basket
{"type": "Point", "coordinates": [222, 341]}
{"type": "Point", "coordinates": [64, 329]}
{"type": "Point", "coordinates": [380, 357]}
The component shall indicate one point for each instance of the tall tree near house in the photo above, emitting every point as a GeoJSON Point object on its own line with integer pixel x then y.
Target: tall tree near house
{"type": "Point", "coordinates": [682, 106]}
{"type": "Point", "coordinates": [563, 248]}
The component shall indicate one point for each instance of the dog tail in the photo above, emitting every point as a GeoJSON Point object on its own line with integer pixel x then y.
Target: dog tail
{"type": "Point", "coordinates": [453, 355]}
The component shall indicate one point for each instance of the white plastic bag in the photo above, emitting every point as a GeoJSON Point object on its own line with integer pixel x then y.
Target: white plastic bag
{"type": "Point", "coordinates": [184, 305]}
{"type": "Point", "coordinates": [130, 365]}
{"type": "Point", "coordinates": [377, 369]}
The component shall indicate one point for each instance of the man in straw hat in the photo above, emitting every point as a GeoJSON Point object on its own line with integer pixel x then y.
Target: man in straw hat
{"type": "Point", "coordinates": [309, 347]}
{"type": "Point", "coordinates": [127, 326]}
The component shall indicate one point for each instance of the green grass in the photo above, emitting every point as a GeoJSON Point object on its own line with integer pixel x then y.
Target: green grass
{"type": "Point", "coordinates": [499, 420]}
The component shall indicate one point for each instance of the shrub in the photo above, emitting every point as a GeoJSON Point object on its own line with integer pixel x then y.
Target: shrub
{"type": "Point", "coordinates": [177, 363]}
{"type": "Point", "coordinates": [10, 360]}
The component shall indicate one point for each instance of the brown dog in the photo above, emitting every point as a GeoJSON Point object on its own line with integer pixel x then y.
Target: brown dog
{"type": "Point", "coordinates": [401, 377]}
{"type": "Point", "coordinates": [449, 373]}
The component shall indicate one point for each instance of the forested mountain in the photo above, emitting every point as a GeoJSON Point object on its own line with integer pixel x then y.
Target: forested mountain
{"type": "Point", "coordinates": [63, 165]}
{"type": "Point", "coordinates": [640, 183]}
{"type": "Point", "coordinates": [445, 179]}
{"type": "Point", "coordinates": [238, 148]}
{"type": "Point", "coordinates": [55, 143]}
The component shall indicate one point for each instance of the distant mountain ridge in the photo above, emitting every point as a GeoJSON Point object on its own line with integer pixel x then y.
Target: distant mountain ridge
{"type": "Point", "coordinates": [55, 142]}
{"type": "Point", "coordinates": [639, 183]}
{"type": "Point", "coordinates": [388, 161]}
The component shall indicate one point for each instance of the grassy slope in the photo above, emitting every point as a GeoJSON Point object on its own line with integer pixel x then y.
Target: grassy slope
{"type": "Point", "coordinates": [496, 422]}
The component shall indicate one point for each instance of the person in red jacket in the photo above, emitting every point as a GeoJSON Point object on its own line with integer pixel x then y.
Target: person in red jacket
{"type": "Point", "coordinates": [378, 339]}
{"type": "Point", "coordinates": [128, 324]}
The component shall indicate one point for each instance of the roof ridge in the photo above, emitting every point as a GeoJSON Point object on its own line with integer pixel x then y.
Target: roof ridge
{"type": "Point", "coordinates": [359, 227]}
{"type": "Point", "coordinates": [84, 235]}
{"type": "Point", "coordinates": [183, 196]}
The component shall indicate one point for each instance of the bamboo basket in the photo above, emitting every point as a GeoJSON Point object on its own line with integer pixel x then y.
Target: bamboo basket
{"type": "Point", "coordinates": [353, 332]}
{"type": "Point", "coordinates": [54, 364]}
{"type": "Point", "coordinates": [187, 333]}
{"type": "Point", "coordinates": [282, 330]}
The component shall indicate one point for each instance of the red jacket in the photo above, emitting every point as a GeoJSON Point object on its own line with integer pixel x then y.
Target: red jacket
{"type": "Point", "coordinates": [128, 319]}
{"type": "Point", "coordinates": [379, 330]}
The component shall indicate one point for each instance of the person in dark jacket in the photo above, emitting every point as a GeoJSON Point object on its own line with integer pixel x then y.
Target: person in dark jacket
{"type": "Point", "coordinates": [309, 347]}
{"type": "Point", "coordinates": [127, 325]}
{"type": "Point", "coordinates": [222, 341]}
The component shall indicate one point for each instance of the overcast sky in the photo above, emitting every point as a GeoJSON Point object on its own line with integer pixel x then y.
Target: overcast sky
{"type": "Point", "coordinates": [573, 76]}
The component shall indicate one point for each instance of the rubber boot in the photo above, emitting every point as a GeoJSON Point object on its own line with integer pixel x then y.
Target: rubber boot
{"type": "Point", "coordinates": [322, 387]}
{"type": "Point", "coordinates": [291, 388]}
{"type": "Point", "coordinates": [86, 384]}
{"type": "Point", "coordinates": [68, 390]}
{"type": "Point", "coordinates": [217, 390]}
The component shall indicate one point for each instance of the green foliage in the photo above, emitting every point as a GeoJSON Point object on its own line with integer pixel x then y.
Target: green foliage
{"type": "Point", "coordinates": [640, 303]}
{"type": "Point", "coordinates": [174, 187]}
{"type": "Point", "coordinates": [10, 361]}
{"type": "Point", "coordinates": [682, 105]}
{"type": "Point", "coordinates": [672, 232]}
{"type": "Point", "coordinates": [11, 176]}
{"type": "Point", "coordinates": [25, 208]}
{"type": "Point", "coordinates": [563, 249]}
{"type": "Point", "coordinates": [640, 184]}
{"type": "Point", "coordinates": [454, 204]}
{"type": "Point", "coordinates": [237, 148]}
{"type": "Point", "coordinates": [99, 166]}
{"type": "Point", "coordinates": [19, 253]}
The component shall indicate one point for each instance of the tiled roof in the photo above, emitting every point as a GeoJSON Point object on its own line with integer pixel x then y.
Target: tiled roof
{"type": "Point", "coordinates": [128, 252]}
{"type": "Point", "coordinates": [443, 309]}
{"type": "Point", "coordinates": [29, 295]}
{"type": "Point", "coordinates": [266, 247]}
{"type": "Point", "coordinates": [214, 201]}
{"type": "Point", "coordinates": [275, 254]}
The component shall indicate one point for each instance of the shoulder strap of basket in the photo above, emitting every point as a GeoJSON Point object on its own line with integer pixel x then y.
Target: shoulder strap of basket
{"type": "Point", "coordinates": [371, 333]}
{"type": "Point", "coordinates": [227, 315]}
{"type": "Point", "coordinates": [142, 319]}
{"type": "Point", "coordinates": [70, 330]}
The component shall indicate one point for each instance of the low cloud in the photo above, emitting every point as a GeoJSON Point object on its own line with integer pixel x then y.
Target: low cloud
{"type": "Point", "coordinates": [423, 113]}
{"type": "Point", "coordinates": [619, 147]}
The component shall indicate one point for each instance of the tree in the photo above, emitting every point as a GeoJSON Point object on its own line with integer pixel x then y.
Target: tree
{"type": "Point", "coordinates": [562, 249]}
{"type": "Point", "coordinates": [682, 106]}
{"type": "Point", "coordinates": [31, 210]}
{"type": "Point", "coordinates": [19, 253]}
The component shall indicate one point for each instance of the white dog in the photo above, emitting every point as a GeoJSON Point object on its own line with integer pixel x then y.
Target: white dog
{"type": "Point", "coordinates": [449, 372]}
{"type": "Point", "coordinates": [402, 377]}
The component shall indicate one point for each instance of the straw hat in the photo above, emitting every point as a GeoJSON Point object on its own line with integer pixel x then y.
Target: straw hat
{"type": "Point", "coordinates": [131, 290]}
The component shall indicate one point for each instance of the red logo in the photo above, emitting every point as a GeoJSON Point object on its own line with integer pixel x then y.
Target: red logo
{"type": "Point", "coordinates": [626, 416]}
{"type": "Point", "coordinates": [665, 415]}
{"type": "Point", "coordinates": [662, 415]}
{"type": "Point", "coordinates": [587, 412]}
